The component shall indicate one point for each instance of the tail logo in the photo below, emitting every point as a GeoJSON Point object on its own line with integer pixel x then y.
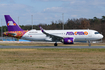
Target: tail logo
{"type": "Point", "coordinates": [10, 23]}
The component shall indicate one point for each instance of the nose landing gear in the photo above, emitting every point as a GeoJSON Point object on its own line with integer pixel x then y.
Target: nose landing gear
{"type": "Point", "coordinates": [89, 43]}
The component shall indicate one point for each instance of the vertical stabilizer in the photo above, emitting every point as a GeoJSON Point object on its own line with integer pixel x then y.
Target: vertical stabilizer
{"type": "Point", "coordinates": [11, 24]}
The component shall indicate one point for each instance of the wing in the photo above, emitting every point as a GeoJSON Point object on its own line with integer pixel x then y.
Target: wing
{"type": "Point", "coordinates": [54, 37]}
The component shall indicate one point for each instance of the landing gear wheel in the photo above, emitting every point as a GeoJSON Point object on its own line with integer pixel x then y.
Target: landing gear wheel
{"type": "Point", "coordinates": [55, 44]}
{"type": "Point", "coordinates": [89, 44]}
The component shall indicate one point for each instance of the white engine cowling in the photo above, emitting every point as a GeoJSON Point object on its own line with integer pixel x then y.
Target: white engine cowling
{"type": "Point", "coordinates": [48, 39]}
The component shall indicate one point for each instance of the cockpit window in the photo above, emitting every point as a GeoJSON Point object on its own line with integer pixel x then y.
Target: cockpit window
{"type": "Point", "coordinates": [97, 33]}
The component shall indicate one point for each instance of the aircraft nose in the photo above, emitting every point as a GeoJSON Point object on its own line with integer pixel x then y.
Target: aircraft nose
{"type": "Point", "coordinates": [101, 36]}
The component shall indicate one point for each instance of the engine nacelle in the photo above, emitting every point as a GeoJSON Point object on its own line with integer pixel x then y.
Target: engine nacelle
{"type": "Point", "coordinates": [68, 40]}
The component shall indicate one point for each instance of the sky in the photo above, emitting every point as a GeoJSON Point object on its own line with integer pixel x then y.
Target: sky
{"type": "Point", "coordinates": [46, 11]}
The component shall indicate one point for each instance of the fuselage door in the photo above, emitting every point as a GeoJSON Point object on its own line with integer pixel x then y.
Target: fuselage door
{"type": "Point", "coordinates": [89, 33]}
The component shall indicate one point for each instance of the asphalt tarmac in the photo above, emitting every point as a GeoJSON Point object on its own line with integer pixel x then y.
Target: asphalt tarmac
{"type": "Point", "coordinates": [52, 47]}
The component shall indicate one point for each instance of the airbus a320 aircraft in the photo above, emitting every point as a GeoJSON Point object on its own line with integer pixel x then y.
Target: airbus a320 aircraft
{"type": "Point", "coordinates": [64, 36]}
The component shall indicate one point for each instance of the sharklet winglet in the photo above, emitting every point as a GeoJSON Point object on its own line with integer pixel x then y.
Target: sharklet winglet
{"type": "Point", "coordinates": [41, 28]}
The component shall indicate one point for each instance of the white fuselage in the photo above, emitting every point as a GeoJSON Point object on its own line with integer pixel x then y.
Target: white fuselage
{"type": "Point", "coordinates": [37, 35]}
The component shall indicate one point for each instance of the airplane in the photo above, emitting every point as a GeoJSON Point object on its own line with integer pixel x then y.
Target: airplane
{"type": "Point", "coordinates": [64, 36]}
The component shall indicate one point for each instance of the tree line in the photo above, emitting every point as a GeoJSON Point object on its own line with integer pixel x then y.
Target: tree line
{"type": "Point", "coordinates": [81, 23]}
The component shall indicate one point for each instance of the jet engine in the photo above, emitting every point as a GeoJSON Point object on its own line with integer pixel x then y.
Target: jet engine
{"type": "Point", "coordinates": [68, 40]}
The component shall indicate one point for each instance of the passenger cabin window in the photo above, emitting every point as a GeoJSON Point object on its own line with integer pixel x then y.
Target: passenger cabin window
{"type": "Point", "coordinates": [97, 33]}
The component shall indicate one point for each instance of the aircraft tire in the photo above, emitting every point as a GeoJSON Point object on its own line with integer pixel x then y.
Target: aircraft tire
{"type": "Point", "coordinates": [55, 44]}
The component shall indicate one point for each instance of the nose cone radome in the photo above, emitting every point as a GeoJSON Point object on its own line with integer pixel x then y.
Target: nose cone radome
{"type": "Point", "coordinates": [101, 36]}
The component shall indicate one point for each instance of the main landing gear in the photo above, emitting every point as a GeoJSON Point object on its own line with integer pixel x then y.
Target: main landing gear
{"type": "Point", "coordinates": [55, 44]}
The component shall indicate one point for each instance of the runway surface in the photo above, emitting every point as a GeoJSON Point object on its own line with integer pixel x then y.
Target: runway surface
{"type": "Point", "coordinates": [52, 46]}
